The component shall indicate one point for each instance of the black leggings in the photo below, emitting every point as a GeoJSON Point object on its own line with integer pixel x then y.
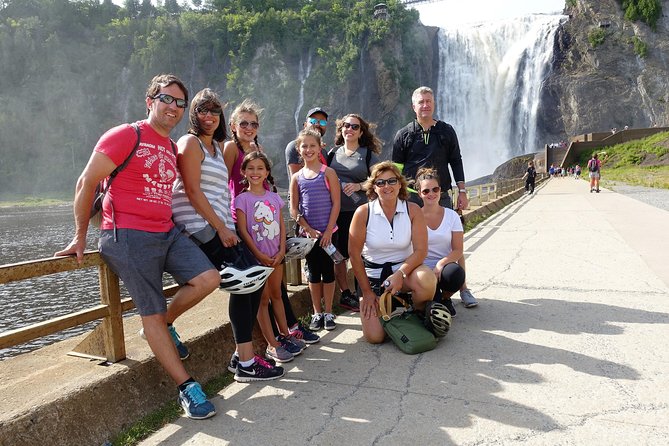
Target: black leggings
{"type": "Point", "coordinates": [529, 184]}
{"type": "Point", "coordinates": [450, 280]}
{"type": "Point", "coordinates": [320, 267]}
{"type": "Point", "coordinates": [290, 315]}
{"type": "Point", "coordinates": [243, 308]}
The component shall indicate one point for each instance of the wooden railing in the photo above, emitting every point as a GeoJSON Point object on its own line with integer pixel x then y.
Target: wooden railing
{"type": "Point", "coordinates": [107, 340]}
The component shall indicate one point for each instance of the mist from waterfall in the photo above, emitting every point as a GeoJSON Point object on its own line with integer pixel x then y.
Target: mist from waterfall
{"type": "Point", "coordinates": [489, 88]}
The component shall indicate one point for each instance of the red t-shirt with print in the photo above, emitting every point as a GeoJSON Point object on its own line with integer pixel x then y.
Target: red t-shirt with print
{"type": "Point", "coordinates": [142, 192]}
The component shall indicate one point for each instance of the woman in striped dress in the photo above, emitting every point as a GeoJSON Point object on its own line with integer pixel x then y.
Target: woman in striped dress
{"type": "Point", "coordinates": [201, 204]}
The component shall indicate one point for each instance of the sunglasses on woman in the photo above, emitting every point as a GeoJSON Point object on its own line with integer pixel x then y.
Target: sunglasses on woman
{"type": "Point", "coordinates": [168, 99]}
{"type": "Point", "coordinates": [244, 124]}
{"type": "Point", "coordinates": [389, 182]}
{"type": "Point", "coordinates": [434, 190]}
{"type": "Point", "coordinates": [212, 112]}
{"type": "Point", "coordinates": [348, 125]}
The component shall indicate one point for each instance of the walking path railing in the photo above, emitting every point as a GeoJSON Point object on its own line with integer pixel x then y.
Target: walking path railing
{"type": "Point", "coordinates": [107, 340]}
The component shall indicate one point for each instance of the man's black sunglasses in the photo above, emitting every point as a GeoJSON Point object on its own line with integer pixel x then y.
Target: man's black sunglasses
{"type": "Point", "coordinates": [168, 99]}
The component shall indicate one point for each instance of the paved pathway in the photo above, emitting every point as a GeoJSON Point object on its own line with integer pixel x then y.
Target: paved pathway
{"type": "Point", "coordinates": [567, 346]}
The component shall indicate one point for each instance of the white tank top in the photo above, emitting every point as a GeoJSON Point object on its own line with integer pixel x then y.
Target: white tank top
{"type": "Point", "coordinates": [386, 242]}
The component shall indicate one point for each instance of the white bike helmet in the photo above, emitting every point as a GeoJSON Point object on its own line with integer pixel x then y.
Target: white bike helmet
{"type": "Point", "coordinates": [299, 247]}
{"type": "Point", "coordinates": [242, 274]}
{"type": "Point", "coordinates": [244, 281]}
{"type": "Point", "coordinates": [437, 318]}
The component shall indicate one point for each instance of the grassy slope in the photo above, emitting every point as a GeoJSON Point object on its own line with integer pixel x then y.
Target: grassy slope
{"type": "Point", "coordinates": [643, 162]}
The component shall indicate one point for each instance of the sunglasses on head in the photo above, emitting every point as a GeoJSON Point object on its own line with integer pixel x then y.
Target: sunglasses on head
{"type": "Point", "coordinates": [244, 124]}
{"type": "Point", "coordinates": [168, 99]}
{"type": "Point", "coordinates": [389, 182]}
{"type": "Point", "coordinates": [321, 122]}
{"type": "Point", "coordinates": [434, 189]}
{"type": "Point", "coordinates": [351, 126]}
{"type": "Point", "coordinates": [212, 111]}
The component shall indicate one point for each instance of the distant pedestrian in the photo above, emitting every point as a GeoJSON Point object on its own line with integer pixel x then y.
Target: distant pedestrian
{"type": "Point", "coordinates": [529, 177]}
{"type": "Point", "coordinates": [594, 172]}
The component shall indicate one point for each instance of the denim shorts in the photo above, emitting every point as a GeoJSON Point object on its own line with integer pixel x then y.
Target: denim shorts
{"type": "Point", "coordinates": [140, 258]}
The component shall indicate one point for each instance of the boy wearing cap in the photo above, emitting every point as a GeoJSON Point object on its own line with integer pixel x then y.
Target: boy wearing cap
{"type": "Point", "coordinates": [317, 119]}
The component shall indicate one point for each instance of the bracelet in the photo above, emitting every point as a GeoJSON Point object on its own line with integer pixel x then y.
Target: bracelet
{"type": "Point", "coordinates": [462, 191]}
{"type": "Point", "coordinates": [404, 276]}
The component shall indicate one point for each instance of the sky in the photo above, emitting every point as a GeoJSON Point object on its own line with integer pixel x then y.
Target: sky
{"type": "Point", "coordinates": [459, 11]}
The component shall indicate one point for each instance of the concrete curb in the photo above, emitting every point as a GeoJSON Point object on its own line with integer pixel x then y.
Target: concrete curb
{"type": "Point", "coordinates": [74, 401]}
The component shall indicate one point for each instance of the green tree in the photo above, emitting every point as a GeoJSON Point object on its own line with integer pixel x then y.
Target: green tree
{"type": "Point", "coordinates": [648, 11]}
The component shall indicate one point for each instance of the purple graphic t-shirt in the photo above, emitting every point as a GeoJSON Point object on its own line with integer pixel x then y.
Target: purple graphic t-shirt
{"type": "Point", "coordinates": [263, 215]}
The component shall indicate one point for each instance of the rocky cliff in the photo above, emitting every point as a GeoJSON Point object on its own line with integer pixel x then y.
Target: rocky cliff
{"type": "Point", "coordinates": [613, 84]}
{"type": "Point", "coordinates": [379, 89]}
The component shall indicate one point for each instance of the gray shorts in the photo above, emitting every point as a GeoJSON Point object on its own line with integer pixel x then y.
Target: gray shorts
{"type": "Point", "coordinates": [594, 175]}
{"type": "Point", "coordinates": [139, 258]}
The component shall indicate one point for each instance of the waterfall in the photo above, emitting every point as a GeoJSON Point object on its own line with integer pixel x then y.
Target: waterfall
{"type": "Point", "coordinates": [302, 76]}
{"type": "Point", "coordinates": [489, 87]}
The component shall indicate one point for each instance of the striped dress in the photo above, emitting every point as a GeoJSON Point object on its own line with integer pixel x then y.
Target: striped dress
{"type": "Point", "coordinates": [214, 185]}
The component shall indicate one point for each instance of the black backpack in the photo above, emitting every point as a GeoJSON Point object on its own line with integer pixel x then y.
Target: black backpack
{"type": "Point", "coordinates": [592, 165]}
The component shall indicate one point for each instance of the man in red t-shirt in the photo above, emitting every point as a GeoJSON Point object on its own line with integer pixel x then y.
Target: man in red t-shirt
{"type": "Point", "coordinates": [138, 239]}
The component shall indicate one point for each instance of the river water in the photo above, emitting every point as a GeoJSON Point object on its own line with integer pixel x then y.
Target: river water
{"type": "Point", "coordinates": [34, 233]}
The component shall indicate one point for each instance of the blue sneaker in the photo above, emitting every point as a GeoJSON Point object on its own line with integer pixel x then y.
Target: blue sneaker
{"type": "Point", "coordinates": [468, 298]}
{"type": "Point", "coordinates": [181, 347]}
{"type": "Point", "coordinates": [195, 402]}
{"type": "Point", "coordinates": [293, 349]}
{"type": "Point", "coordinates": [301, 332]}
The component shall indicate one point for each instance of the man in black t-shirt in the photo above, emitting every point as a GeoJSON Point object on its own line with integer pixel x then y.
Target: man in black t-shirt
{"type": "Point", "coordinates": [427, 142]}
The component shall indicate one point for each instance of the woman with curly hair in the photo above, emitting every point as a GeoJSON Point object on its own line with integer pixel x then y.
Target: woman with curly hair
{"type": "Point", "coordinates": [356, 150]}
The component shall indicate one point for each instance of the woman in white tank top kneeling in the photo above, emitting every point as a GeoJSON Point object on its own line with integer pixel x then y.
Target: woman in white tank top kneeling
{"type": "Point", "coordinates": [388, 243]}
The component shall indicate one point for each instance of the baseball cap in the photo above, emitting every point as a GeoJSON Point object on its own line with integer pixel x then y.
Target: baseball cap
{"type": "Point", "coordinates": [316, 110]}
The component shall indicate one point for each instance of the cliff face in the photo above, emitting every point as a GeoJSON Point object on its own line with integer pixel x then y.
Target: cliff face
{"type": "Point", "coordinates": [610, 85]}
{"type": "Point", "coordinates": [379, 89]}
